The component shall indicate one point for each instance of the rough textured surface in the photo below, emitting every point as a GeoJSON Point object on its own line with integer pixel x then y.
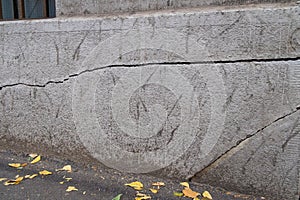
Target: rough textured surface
{"type": "Point", "coordinates": [210, 36]}
{"type": "Point", "coordinates": [77, 7]}
{"type": "Point", "coordinates": [267, 160]}
{"type": "Point", "coordinates": [169, 93]}
{"type": "Point", "coordinates": [93, 183]}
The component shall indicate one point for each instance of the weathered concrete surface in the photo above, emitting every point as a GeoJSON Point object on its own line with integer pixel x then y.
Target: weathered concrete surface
{"type": "Point", "coordinates": [167, 92]}
{"type": "Point", "coordinates": [80, 7]}
{"type": "Point", "coordinates": [210, 36]}
{"type": "Point", "coordinates": [267, 160]}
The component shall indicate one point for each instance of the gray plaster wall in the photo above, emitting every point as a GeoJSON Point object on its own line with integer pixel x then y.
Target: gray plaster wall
{"type": "Point", "coordinates": [79, 7]}
{"type": "Point", "coordinates": [207, 95]}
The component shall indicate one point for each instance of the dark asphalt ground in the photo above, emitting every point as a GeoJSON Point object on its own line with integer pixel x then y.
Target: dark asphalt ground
{"type": "Point", "coordinates": [91, 182]}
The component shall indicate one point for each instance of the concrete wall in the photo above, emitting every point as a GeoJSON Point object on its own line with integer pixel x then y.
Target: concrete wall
{"type": "Point", "coordinates": [77, 7]}
{"type": "Point", "coordinates": [209, 95]}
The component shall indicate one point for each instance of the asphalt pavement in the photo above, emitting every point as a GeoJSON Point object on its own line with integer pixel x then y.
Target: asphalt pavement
{"type": "Point", "coordinates": [92, 182]}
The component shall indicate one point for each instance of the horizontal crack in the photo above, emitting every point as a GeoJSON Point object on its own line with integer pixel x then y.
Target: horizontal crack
{"type": "Point", "coordinates": [235, 148]}
{"type": "Point", "coordinates": [148, 64]}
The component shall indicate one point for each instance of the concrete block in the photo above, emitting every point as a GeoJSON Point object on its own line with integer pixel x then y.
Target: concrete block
{"type": "Point", "coordinates": [79, 7]}
{"type": "Point", "coordinates": [169, 93]}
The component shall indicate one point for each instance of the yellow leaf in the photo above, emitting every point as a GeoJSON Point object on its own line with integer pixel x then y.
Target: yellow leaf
{"type": "Point", "coordinates": [196, 198]}
{"type": "Point", "coordinates": [154, 191]}
{"type": "Point", "coordinates": [71, 188]}
{"type": "Point", "coordinates": [24, 165]}
{"type": "Point", "coordinates": [158, 184]}
{"type": "Point", "coordinates": [3, 179]}
{"type": "Point", "coordinates": [178, 194]}
{"type": "Point", "coordinates": [61, 182]}
{"type": "Point", "coordinates": [15, 165]}
{"type": "Point", "coordinates": [68, 179]}
{"type": "Point", "coordinates": [189, 193]}
{"type": "Point", "coordinates": [10, 182]}
{"type": "Point", "coordinates": [67, 168]}
{"type": "Point", "coordinates": [136, 185]}
{"type": "Point", "coordinates": [19, 179]}
{"type": "Point", "coordinates": [206, 194]}
{"type": "Point", "coordinates": [33, 176]}
{"type": "Point", "coordinates": [45, 172]}
{"type": "Point", "coordinates": [14, 182]}
{"type": "Point", "coordinates": [141, 196]}
{"type": "Point", "coordinates": [33, 155]}
{"type": "Point", "coordinates": [185, 184]}
{"type": "Point", "coordinates": [37, 159]}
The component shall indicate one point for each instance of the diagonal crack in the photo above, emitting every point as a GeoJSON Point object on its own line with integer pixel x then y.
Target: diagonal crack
{"type": "Point", "coordinates": [237, 147]}
{"type": "Point", "coordinates": [144, 65]}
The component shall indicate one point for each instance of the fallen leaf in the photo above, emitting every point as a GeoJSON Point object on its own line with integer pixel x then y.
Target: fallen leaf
{"type": "Point", "coordinates": [141, 196]}
{"type": "Point", "coordinates": [45, 173]}
{"type": "Point", "coordinates": [158, 184]}
{"type": "Point", "coordinates": [154, 191]}
{"type": "Point", "coordinates": [14, 182]}
{"type": "Point", "coordinates": [3, 179]}
{"type": "Point", "coordinates": [196, 198]}
{"type": "Point", "coordinates": [31, 176]}
{"type": "Point", "coordinates": [84, 192]}
{"type": "Point", "coordinates": [136, 185]}
{"type": "Point", "coordinates": [23, 164]}
{"type": "Point", "coordinates": [71, 188]}
{"type": "Point", "coordinates": [36, 159]}
{"type": "Point", "coordinates": [19, 179]}
{"type": "Point", "coordinates": [15, 165]}
{"type": "Point", "coordinates": [185, 184]}
{"type": "Point", "coordinates": [68, 179]}
{"type": "Point", "coordinates": [118, 197]}
{"type": "Point", "coordinates": [189, 193]}
{"type": "Point", "coordinates": [206, 194]}
{"type": "Point", "coordinates": [178, 194]}
{"type": "Point", "coordinates": [61, 182]}
{"type": "Point", "coordinates": [67, 168]}
{"type": "Point", "coordinates": [33, 155]}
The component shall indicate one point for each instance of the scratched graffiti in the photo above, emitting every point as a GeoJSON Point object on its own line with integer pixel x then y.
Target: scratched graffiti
{"type": "Point", "coordinates": [143, 118]}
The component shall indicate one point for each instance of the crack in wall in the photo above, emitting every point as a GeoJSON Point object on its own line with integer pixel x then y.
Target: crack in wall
{"type": "Point", "coordinates": [148, 64]}
{"type": "Point", "coordinates": [237, 147]}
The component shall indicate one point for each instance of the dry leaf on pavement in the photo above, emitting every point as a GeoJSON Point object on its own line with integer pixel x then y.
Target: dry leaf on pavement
{"type": "Point", "coordinates": [14, 182]}
{"type": "Point", "coordinates": [3, 179]}
{"type": "Point", "coordinates": [67, 168]}
{"type": "Point", "coordinates": [31, 176]}
{"type": "Point", "coordinates": [185, 184]}
{"type": "Point", "coordinates": [71, 188]}
{"type": "Point", "coordinates": [178, 194]}
{"type": "Point", "coordinates": [33, 155]}
{"type": "Point", "coordinates": [136, 185]}
{"type": "Point", "coordinates": [207, 195]}
{"type": "Point", "coordinates": [45, 173]}
{"type": "Point", "coordinates": [15, 165]}
{"type": "Point", "coordinates": [36, 159]}
{"type": "Point", "coordinates": [154, 191]}
{"type": "Point", "coordinates": [189, 193]}
{"type": "Point", "coordinates": [141, 196]}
